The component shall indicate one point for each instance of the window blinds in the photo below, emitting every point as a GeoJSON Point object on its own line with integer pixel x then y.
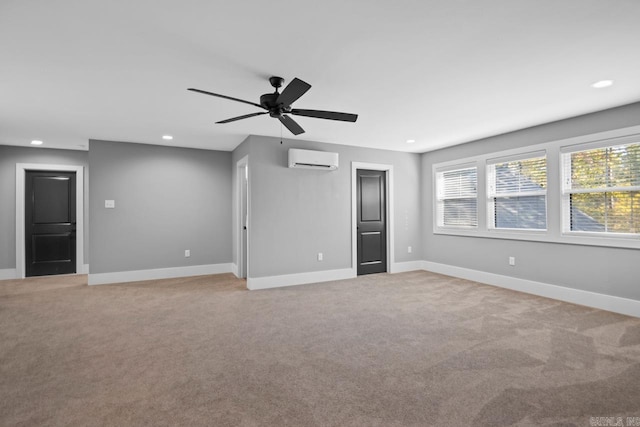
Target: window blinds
{"type": "Point", "coordinates": [517, 192]}
{"type": "Point", "coordinates": [601, 189]}
{"type": "Point", "coordinates": [457, 203]}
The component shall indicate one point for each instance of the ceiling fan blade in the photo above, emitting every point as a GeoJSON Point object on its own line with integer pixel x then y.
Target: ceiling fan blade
{"type": "Point", "coordinates": [291, 124]}
{"type": "Point", "coordinates": [246, 116]}
{"type": "Point", "coordinates": [226, 97]}
{"type": "Point", "coordinates": [293, 91]}
{"type": "Point", "coordinates": [331, 115]}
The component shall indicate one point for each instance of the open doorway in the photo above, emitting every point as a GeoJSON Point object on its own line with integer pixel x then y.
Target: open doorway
{"type": "Point", "coordinates": [242, 174]}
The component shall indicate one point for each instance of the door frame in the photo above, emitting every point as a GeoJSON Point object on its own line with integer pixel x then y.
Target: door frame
{"type": "Point", "coordinates": [389, 209]}
{"type": "Point", "coordinates": [241, 166]}
{"type": "Point", "coordinates": [21, 169]}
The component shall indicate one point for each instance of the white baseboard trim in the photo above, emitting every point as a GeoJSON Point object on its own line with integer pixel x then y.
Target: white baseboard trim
{"type": "Point", "coordinates": [8, 274]}
{"type": "Point", "coordinates": [12, 273]}
{"type": "Point", "coordinates": [234, 269]}
{"type": "Point", "coordinates": [255, 283]}
{"type": "Point", "coordinates": [401, 267]}
{"type": "Point", "coordinates": [159, 273]}
{"type": "Point", "coordinates": [620, 305]}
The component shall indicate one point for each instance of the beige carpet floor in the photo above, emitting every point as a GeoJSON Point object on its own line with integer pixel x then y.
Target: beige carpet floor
{"type": "Point", "coordinates": [411, 349]}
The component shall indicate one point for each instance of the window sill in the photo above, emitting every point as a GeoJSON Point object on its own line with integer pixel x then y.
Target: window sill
{"type": "Point", "coordinates": [545, 236]}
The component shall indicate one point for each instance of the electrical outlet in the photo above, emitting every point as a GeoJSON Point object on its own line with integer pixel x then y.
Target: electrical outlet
{"type": "Point", "coordinates": [320, 256]}
{"type": "Point", "coordinates": [409, 249]}
{"type": "Point", "coordinates": [187, 253]}
{"type": "Point", "coordinates": [512, 260]}
{"type": "Point", "coordinates": [110, 204]}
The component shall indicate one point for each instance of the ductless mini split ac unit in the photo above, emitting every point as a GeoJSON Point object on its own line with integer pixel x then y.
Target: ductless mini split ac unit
{"type": "Point", "coordinates": [310, 159]}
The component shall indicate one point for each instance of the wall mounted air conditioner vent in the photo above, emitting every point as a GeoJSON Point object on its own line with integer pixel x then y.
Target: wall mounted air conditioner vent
{"type": "Point", "coordinates": [309, 159]}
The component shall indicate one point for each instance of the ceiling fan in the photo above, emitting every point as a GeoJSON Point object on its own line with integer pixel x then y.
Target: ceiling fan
{"type": "Point", "coordinates": [278, 105]}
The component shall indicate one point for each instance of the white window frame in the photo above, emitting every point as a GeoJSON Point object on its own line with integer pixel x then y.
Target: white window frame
{"type": "Point", "coordinates": [449, 168]}
{"type": "Point", "coordinates": [490, 177]}
{"type": "Point", "coordinates": [565, 166]}
{"type": "Point", "coordinates": [556, 217]}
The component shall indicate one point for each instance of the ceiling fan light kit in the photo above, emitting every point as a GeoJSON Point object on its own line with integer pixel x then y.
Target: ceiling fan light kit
{"type": "Point", "coordinates": [278, 105]}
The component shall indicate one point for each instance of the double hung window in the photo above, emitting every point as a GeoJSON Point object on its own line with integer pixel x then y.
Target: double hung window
{"type": "Point", "coordinates": [457, 198]}
{"type": "Point", "coordinates": [517, 193]}
{"type": "Point", "coordinates": [601, 189]}
{"type": "Point", "coordinates": [583, 190]}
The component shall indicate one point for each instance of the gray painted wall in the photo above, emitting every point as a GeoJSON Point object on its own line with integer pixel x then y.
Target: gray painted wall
{"type": "Point", "coordinates": [166, 200]}
{"type": "Point", "coordinates": [9, 156]}
{"type": "Point", "coordinates": [296, 213]}
{"type": "Point", "coordinates": [610, 271]}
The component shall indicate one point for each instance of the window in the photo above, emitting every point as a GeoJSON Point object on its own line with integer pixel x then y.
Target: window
{"type": "Point", "coordinates": [601, 189]}
{"type": "Point", "coordinates": [457, 198]}
{"type": "Point", "coordinates": [583, 190]}
{"type": "Point", "coordinates": [517, 193]}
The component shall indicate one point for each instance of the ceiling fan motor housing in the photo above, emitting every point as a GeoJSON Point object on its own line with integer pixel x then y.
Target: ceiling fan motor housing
{"type": "Point", "coordinates": [270, 102]}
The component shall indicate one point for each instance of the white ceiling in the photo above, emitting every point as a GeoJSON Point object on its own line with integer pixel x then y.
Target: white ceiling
{"type": "Point", "coordinates": [440, 72]}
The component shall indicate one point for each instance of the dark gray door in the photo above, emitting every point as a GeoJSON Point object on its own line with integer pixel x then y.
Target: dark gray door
{"type": "Point", "coordinates": [371, 221]}
{"type": "Point", "coordinates": [50, 223]}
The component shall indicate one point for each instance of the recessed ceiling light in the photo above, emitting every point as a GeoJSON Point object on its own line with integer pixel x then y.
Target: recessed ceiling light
{"type": "Point", "coordinates": [410, 141]}
{"type": "Point", "coordinates": [167, 137]}
{"type": "Point", "coordinates": [602, 83]}
{"type": "Point", "coordinates": [36, 142]}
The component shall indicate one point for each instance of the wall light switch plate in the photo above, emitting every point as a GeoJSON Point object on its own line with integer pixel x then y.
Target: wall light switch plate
{"type": "Point", "coordinates": [110, 204]}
